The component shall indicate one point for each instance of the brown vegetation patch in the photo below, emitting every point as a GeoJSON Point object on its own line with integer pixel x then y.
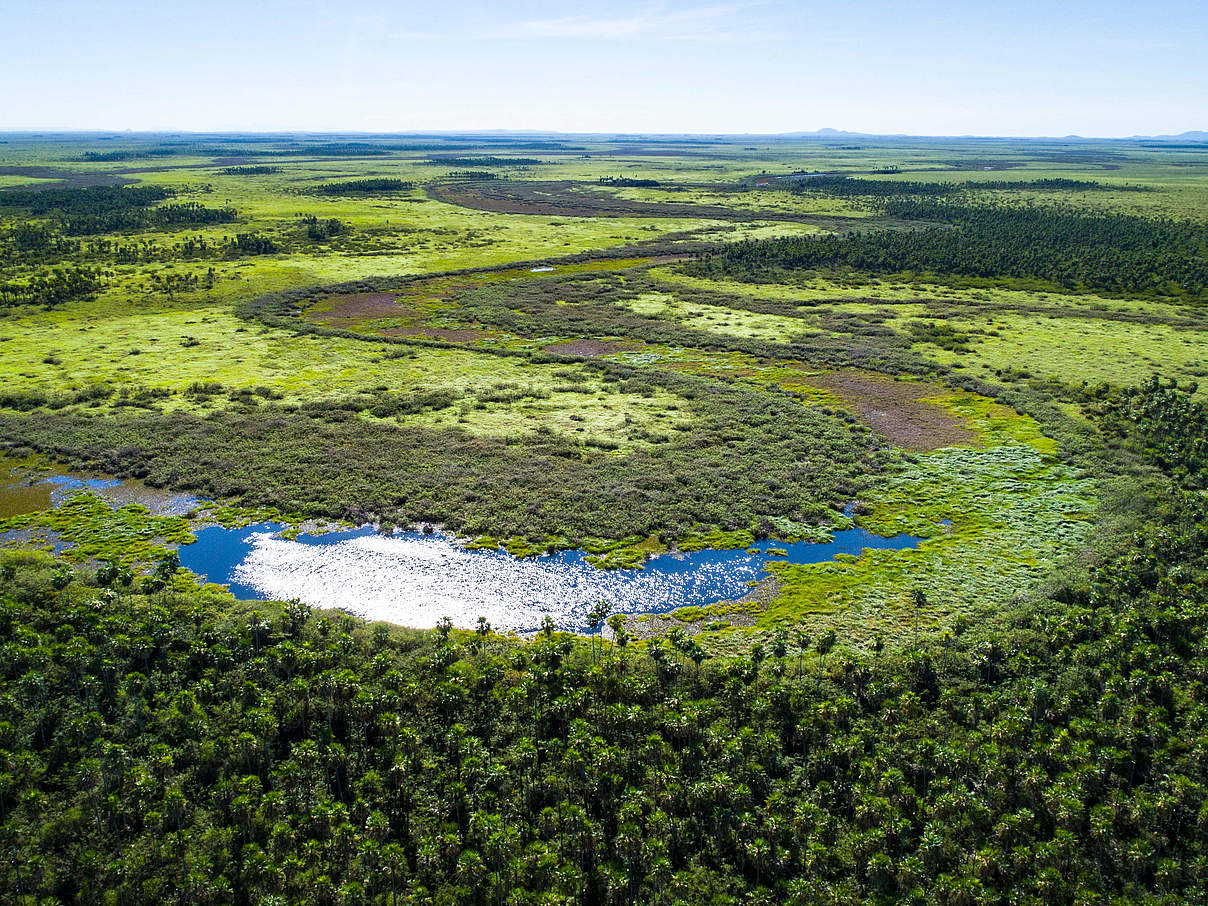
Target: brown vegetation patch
{"type": "Point", "coordinates": [587, 348]}
{"type": "Point", "coordinates": [358, 306]}
{"type": "Point", "coordinates": [563, 198]}
{"type": "Point", "coordinates": [898, 409]}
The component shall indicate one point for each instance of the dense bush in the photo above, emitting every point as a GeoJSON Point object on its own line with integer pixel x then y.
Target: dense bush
{"type": "Point", "coordinates": [155, 746]}
{"type": "Point", "coordinates": [747, 456]}
{"type": "Point", "coordinates": [360, 187]}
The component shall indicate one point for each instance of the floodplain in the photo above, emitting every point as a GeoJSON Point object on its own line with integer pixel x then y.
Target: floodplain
{"type": "Point", "coordinates": [625, 347]}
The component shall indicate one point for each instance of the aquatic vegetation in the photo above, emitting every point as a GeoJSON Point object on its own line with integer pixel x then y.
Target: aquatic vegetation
{"type": "Point", "coordinates": [998, 521]}
{"type": "Point", "coordinates": [86, 526]}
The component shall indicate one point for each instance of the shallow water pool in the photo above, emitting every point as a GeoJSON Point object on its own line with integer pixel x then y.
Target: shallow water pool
{"type": "Point", "coordinates": [415, 579]}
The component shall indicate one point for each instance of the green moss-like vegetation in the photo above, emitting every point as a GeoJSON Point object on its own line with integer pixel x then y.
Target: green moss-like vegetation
{"type": "Point", "coordinates": [92, 528]}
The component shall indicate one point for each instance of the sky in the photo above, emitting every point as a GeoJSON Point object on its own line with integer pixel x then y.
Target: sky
{"type": "Point", "coordinates": [1024, 68]}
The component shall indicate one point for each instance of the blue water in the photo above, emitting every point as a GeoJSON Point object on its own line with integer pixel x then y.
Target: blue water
{"type": "Point", "coordinates": [415, 579]}
{"type": "Point", "coordinates": [69, 483]}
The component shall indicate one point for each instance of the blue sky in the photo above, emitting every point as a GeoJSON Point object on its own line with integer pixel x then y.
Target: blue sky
{"type": "Point", "coordinates": [936, 68]}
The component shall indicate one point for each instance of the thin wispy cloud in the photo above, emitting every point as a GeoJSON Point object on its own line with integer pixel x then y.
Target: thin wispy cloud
{"type": "Point", "coordinates": [715, 22]}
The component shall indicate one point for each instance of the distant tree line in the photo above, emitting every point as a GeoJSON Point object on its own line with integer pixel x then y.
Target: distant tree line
{"type": "Point", "coordinates": [1061, 246]}
{"type": "Point", "coordinates": [264, 170]}
{"type": "Point", "coordinates": [628, 183]}
{"type": "Point", "coordinates": [108, 209]}
{"type": "Point", "coordinates": [52, 288]}
{"type": "Point", "coordinates": [840, 186]}
{"type": "Point", "coordinates": [147, 218]}
{"type": "Point", "coordinates": [86, 200]}
{"type": "Point", "coordinates": [114, 156]}
{"type": "Point", "coordinates": [485, 161]}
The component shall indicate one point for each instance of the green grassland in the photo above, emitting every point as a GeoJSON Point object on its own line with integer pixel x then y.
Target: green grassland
{"type": "Point", "coordinates": [620, 379]}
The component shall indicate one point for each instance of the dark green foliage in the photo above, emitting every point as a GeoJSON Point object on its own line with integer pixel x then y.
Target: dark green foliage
{"type": "Point", "coordinates": [337, 149]}
{"type": "Point", "coordinates": [53, 287]}
{"type": "Point", "coordinates": [154, 745]}
{"type": "Point", "coordinates": [29, 400]}
{"type": "Point", "coordinates": [1072, 249]}
{"type": "Point", "coordinates": [167, 215]}
{"type": "Point", "coordinates": [841, 186]}
{"type": "Point", "coordinates": [249, 171]}
{"type": "Point", "coordinates": [484, 161]}
{"type": "Point", "coordinates": [854, 187]}
{"type": "Point", "coordinates": [319, 230]}
{"type": "Point", "coordinates": [104, 209]}
{"type": "Point", "coordinates": [1171, 427]}
{"type": "Point", "coordinates": [623, 182]}
{"type": "Point", "coordinates": [940, 333]}
{"type": "Point", "coordinates": [360, 187]}
{"type": "Point", "coordinates": [252, 244]}
{"type": "Point", "coordinates": [470, 175]}
{"type": "Point", "coordinates": [114, 156]}
{"type": "Point", "coordinates": [87, 201]}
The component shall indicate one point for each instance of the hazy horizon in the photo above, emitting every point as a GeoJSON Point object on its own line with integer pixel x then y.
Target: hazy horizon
{"type": "Point", "coordinates": [936, 69]}
{"type": "Point", "coordinates": [822, 133]}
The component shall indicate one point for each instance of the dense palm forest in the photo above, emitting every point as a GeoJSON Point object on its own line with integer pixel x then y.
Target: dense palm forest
{"type": "Point", "coordinates": [1058, 246]}
{"type": "Point", "coordinates": [156, 746]}
{"type": "Point", "coordinates": [104, 209]}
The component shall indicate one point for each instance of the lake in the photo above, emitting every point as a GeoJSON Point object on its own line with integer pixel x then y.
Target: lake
{"type": "Point", "coordinates": [415, 579]}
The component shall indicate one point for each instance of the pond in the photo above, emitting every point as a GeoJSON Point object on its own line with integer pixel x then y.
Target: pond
{"type": "Point", "coordinates": [415, 579]}
{"type": "Point", "coordinates": [26, 490]}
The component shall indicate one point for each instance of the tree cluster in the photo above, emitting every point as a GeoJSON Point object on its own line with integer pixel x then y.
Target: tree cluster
{"type": "Point", "coordinates": [1064, 247]}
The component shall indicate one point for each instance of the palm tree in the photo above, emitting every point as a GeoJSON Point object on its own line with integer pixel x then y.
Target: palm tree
{"type": "Point", "coordinates": [803, 645]}
{"type": "Point", "coordinates": [60, 580]}
{"type": "Point", "coordinates": [825, 644]}
{"type": "Point", "coordinates": [595, 619]}
{"type": "Point", "coordinates": [919, 598]}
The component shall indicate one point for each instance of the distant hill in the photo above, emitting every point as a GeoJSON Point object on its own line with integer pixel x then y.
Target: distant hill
{"type": "Point", "coordinates": [1194, 136]}
{"type": "Point", "coordinates": [1198, 135]}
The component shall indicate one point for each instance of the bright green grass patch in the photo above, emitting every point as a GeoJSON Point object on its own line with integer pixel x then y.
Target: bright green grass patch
{"type": "Point", "coordinates": [716, 539]}
{"type": "Point", "coordinates": [717, 318]}
{"type": "Point", "coordinates": [174, 350]}
{"type": "Point", "coordinates": [94, 529]}
{"type": "Point", "coordinates": [1079, 349]}
{"type": "Point", "coordinates": [996, 425]}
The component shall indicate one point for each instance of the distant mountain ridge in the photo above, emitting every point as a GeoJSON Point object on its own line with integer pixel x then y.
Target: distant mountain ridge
{"type": "Point", "coordinates": [1196, 135]}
